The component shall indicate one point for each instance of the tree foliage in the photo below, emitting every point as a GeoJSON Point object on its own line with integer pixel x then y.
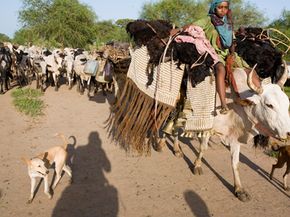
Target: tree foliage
{"type": "Point", "coordinates": [182, 12]}
{"type": "Point", "coordinates": [59, 22]}
{"type": "Point", "coordinates": [62, 23]}
{"type": "Point", "coordinates": [109, 31]}
{"type": "Point", "coordinates": [283, 24]}
{"type": "Point", "coordinates": [246, 14]}
{"type": "Point", "coordinates": [179, 12]}
{"type": "Point", "coordinates": [4, 37]}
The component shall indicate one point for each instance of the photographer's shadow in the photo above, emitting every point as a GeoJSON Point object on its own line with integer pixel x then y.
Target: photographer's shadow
{"type": "Point", "coordinates": [90, 194]}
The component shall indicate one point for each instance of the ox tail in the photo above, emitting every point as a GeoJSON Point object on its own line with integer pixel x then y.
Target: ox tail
{"type": "Point", "coordinates": [64, 139]}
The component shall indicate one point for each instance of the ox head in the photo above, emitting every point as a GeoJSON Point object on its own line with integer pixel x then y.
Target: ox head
{"type": "Point", "coordinates": [271, 106]}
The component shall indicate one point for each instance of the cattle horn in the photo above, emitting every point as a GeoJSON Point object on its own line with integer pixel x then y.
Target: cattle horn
{"type": "Point", "coordinates": [284, 76]}
{"type": "Point", "coordinates": [258, 90]}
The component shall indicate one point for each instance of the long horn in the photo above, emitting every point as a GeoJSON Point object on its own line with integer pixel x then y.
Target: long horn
{"type": "Point", "coordinates": [258, 90]}
{"type": "Point", "coordinates": [284, 76]}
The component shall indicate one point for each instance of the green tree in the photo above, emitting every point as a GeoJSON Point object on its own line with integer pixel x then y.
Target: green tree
{"type": "Point", "coordinates": [246, 14]}
{"type": "Point", "coordinates": [4, 37]}
{"type": "Point", "coordinates": [106, 31]}
{"type": "Point", "coordinates": [179, 12]}
{"type": "Point", "coordinates": [59, 23]}
{"type": "Point", "coordinates": [183, 12]}
{"type": "Point", "coordinates": [283, 25]}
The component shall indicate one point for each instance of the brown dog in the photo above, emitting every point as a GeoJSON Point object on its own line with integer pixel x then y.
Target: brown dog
{"type": "Point", "coordinates": [39, 167]}
{"type": "Point", "coordinates": [283, 157]}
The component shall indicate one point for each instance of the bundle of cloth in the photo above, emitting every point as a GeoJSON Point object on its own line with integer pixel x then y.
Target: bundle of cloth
{"type": "Point", "coordinates": [255, 47]}
{"type": "Point", "coordinates": [155, 35]}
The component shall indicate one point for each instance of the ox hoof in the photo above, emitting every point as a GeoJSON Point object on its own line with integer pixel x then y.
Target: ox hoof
{"type": "Point", "coordinates": [243, 196]}
{"type": "Point", "coordinates": [29, 201]}
{"type": "Point", "coordinates": [159, 146]}
{"type": "Point", "coordinates": [197, 170]}
{"type": "Point", "coordinates": [178, 154]}
{"type": "Point", "coordinates": [287, 189]}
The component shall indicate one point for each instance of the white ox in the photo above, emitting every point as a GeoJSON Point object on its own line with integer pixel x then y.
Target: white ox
{"type": "Point", "coordinates": [68, 64]}
{"type": "Point", "coordinates": [53, 63]}
{"type": "Point", "coordinates": [266, 113]}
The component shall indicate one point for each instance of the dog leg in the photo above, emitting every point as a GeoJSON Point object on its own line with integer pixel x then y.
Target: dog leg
{"type": "Point", "coordinates": [58, 171]}
{"type": "Point", "coordinates": [68, 170]}
{"type": "Point", "coordinates": [285, 177]}
{"type": "Point", "coordinates": [280, 163]}
{"type": "Point", "coordinates": [46, 187]}
{"type": "Point", "coordinates": [272, 172]}
{"type": "Point", "coordinates": [32, 189]}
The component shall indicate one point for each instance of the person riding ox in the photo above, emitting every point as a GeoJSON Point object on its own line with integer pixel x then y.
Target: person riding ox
{"type": "Point", "coordinates": [254, 106]}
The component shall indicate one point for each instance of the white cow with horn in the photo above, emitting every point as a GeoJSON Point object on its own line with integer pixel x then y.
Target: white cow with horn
{"type": "Point", "coordinates": [264, 111]}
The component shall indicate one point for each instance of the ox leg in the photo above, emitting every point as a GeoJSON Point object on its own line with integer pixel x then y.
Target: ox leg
{"type": "Point", "coordinates": [103, 89]}
{"type": "Point", "coordinates": [1, 86]}
{"type": "Point", "coordinates": [6, 85]}
{"type": "Point", "coordinates": [203, 145]}
{"type": "Point", "coordinates": [240, 193]}
{"type": "Point", "coordinates": [78, 84]}
{"type": "Point", "coordinates": [70, 80]}
{"type": "Point", "coordinates": [161, 143]}
{"type": "Point", "coordinates": [37, 80]}
{"type": "Point", "coordinates": [43, 81]}
{"type": "Point", "coordinates": [82, 86]}
{"type": "Point", "coordinates": [176, 147]}
{"type": "Point", "coordinates": [55, 80]}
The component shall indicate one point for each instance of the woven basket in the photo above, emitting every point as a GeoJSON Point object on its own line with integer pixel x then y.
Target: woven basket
{"type": "Point", "coordinates": [166, 80]}
{"type": "Point", "coordinates": [202, 101]}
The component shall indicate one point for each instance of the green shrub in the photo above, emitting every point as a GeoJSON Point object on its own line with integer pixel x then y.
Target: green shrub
{"type": "Point", "coordinates": [28, 101]}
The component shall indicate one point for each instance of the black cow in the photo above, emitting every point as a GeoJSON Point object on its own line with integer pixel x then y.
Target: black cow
{"type": "Point", "coordinates": [5, 68]}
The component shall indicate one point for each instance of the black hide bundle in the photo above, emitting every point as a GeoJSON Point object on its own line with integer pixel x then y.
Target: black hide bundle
{"type": "Point", "coordinates": [187, 53]}
{"type": "Point", "coordinates": [255, 48]}
{"type": "Point", "coordinates": [184, 53]}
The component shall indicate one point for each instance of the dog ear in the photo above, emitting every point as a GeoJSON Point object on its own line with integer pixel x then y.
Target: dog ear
{"type": "Point", "coordinates": [25, 160]}
{"type": "Point", "coordinates": [45, 156]}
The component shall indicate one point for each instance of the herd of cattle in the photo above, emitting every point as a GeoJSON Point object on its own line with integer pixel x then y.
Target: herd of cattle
{"type": "Point", "coordinates": [21, 64]}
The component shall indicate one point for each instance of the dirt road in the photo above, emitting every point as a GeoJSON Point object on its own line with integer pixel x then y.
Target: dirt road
{"type": "Point", "coordinates": [108, 182]}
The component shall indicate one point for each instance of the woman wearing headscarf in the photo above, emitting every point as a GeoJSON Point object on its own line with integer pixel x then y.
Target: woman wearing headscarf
{"type": "Point", "coordinates": [218, 28]}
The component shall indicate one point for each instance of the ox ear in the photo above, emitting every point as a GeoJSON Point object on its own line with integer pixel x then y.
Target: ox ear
{"type": "Point", "coordinates": [253, 100]}
{"type": "Point", "coordinates": [244, 102]}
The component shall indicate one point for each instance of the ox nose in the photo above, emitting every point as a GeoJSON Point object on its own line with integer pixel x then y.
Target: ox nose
{"type": "Point", "coordinates": [47, 172]}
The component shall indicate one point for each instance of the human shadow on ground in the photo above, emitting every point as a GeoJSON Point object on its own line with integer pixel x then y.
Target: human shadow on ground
{"type": "Point", "coordinates": [90, 194]}
{"type": "Point", "coordinates": [196, 204]}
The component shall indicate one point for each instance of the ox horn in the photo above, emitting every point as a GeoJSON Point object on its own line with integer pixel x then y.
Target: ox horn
{"type": "Point", "coordinates": [284, 76]}
{"type": "Point", "coordinates": [258, 90]}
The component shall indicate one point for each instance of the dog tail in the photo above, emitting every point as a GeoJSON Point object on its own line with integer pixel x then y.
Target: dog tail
{"type": "Point", "coordinates": [276, 147]}
{"type": "Point", "coordinates": [64, 139]}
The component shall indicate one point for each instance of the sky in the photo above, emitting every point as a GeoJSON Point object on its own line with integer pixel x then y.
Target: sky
{"type": "Point", "coordinates": [118, 9]}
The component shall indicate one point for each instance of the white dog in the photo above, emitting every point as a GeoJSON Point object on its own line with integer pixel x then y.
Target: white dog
{"type": "Point", "coordinates": [39, 167]}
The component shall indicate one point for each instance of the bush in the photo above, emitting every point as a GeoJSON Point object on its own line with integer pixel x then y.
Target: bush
{"type": "Point", "coordinates": [28, 101]}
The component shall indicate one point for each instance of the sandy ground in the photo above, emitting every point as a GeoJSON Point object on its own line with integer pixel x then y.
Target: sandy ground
{"type": "Point", "coordinates": [109, 182]}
